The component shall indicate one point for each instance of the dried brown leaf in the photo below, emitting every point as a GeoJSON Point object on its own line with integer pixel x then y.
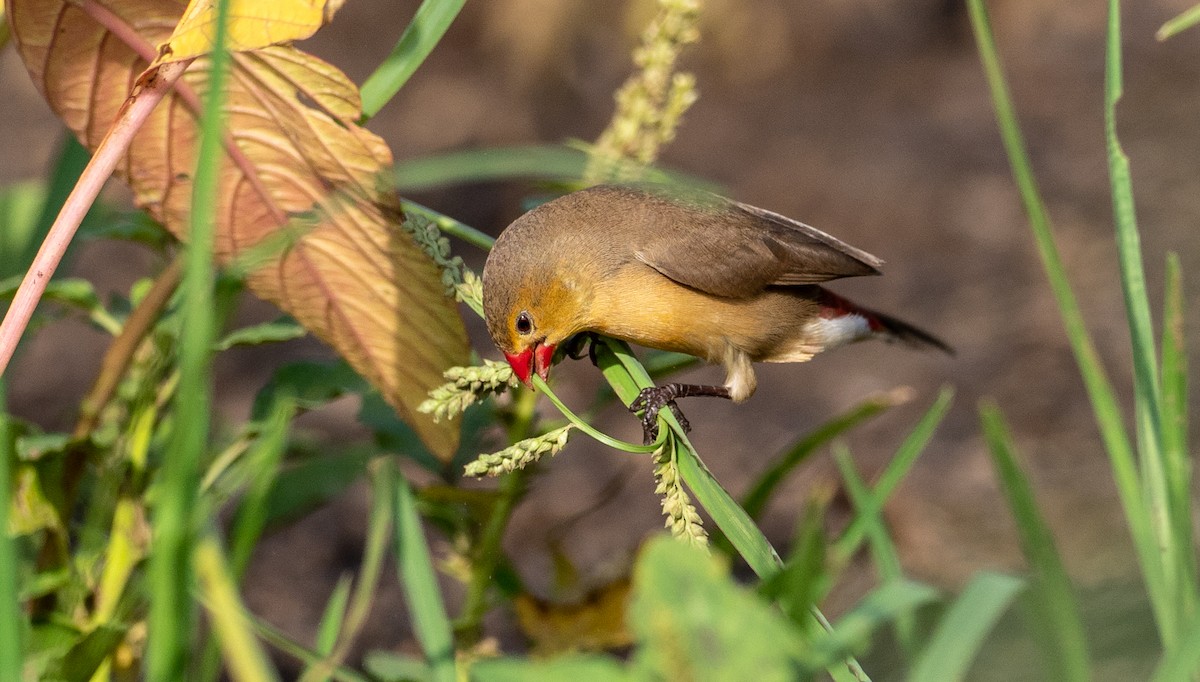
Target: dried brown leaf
{"type": "Point", "coordinates": [300, 176]}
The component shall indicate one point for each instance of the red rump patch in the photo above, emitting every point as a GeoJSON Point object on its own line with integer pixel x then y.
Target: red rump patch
{"type": "Point", "coordinates": [833, 306]}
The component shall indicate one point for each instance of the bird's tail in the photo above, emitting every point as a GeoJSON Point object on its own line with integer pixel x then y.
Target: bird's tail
{"type": "Point", "coordinates": [893, 329]}
{"type": "Point", "coordinates": [882, 326]}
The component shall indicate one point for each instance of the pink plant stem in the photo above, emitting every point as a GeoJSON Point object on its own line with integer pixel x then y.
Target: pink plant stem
{"type": "Point", "coordinates": [148, 92]}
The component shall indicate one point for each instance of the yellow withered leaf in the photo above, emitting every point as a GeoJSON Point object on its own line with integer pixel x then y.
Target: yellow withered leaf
{"type": "Point", "coordinates": [253, 24]}
{"type": "Point", "coordinates": [297, 166]}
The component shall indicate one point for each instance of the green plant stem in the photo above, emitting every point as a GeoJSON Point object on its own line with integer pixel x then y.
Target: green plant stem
{"type": "Point", "coordinates": [450, 226]}
{"type": "Point", "coordinates": [486, 554]}
{"type": "Point", "coordinates": [379, 528]}
{"type": "Point", "coordinates": [172, 611]}
{"type": "Point", "coordinates": [10, 605]}
{"type": "Point", "coordinates": [582, 425]}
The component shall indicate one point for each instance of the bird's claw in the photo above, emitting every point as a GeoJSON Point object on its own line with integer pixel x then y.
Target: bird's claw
{"type": "Point", "coordinates": [650, 402]}
{"type": "Point", "coordinates": [583, 343]}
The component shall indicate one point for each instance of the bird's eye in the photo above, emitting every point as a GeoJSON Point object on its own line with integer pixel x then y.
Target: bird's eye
{"type": "Point", "coordinates": [524, 323]}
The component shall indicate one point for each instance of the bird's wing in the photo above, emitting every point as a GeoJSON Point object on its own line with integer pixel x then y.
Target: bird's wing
{"type": "Point", "coordinates": [737, 250]}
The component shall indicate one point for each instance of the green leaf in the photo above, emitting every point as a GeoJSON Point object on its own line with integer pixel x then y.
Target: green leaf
{"type": "Point", "coordinates": [335, 614]}
{"type": "Point", "coordinates": [432, 19]}
{"type": "Point", "coordinates": [1177, 463]}
{"type": "Point", "coordinates": [1184, 661]}
{"type": "Point", "coordinates": [284, 329]}
{"type": "Point", "coordinates": [310, 384]}
{"type": "Point", "coordinates": [421, 588]}
{"type": "Point", "coordinates": [11, 617]}
{"type": "Point", "coordinates": [1051, 596]}
{"type": "Point", "coordinates": [172, 617]}
{"type": "Point", "coordinates": [312, 482]}
{"type": "Point", "coordinates": [576, 668]}
{"type": "Point", "coordinates": [887, 559]}
{"type": "Point", "coordinates": [392, 434]}
{"type": "Point", "coordinates": [891, 477]}
{"type": "Point", "coordinates": [797, 587]}
{"type": "Point", "coordinates": [264, 458]}
{"type": "Point", "coordinates": [389, 667]}
{"type": "Point", "coordinates": [82, 660]}
{"type": "Point", "coordinates": [541, 162]}
{"type": "Point", "coordinates": [1184, 21]}
{"type": "Point", "coordinates": [243, 653]}
{"type": "Point", "coordinates": [693, 623]}
{"type": "Point", "coordinates": [760, 492]}
{"type": "Point", "coordinates": [628, 377]}
{"type": "Point", "coordinates": [852, 632]}
{"type": "Point", "coordinates": [962, 629]}
{"type": "Point", "coordinates": [19, 238]}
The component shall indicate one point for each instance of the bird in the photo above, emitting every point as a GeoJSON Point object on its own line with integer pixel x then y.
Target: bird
{"type": "Point", "coordinates": [678, 269]}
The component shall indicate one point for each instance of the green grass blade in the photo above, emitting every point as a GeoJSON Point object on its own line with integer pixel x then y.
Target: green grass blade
{"type": "Point", "coordinates": [281, 642]}
{"type": "Point", "coordinates": [1051, 595]}
{"type": "Point", "coordinates": [1105, 408]}
{"type": "Point", "coordinates": [425, 606]}
{"type": "Point", "coordinates": [1183, 663]}
{"type": "Point", "coordinates": [1184, 21]}
{"type": "Point", "coordinates": [1177, 463]}
{"type": "Point", "coordinates": [171, 620]}
{"type": "Point", "coordinates": [896, 470]}
{"type": "Point", "coordinates": [11, 657]}
{"type": "Point", "coordinates": [854, 629]}
{"type": "Point", "coordinates": [541, 162]}
{"type": "Point", "coordinates": [352, 616]}
{"type": "Point", "coordinates": [244, 656]}
{"type": "Point", "coordinates": [1178, 591]}
{"type": "Point", "coordinates": [628, 377]}
{"type": "Point", "coordinates": [883, 550]}
{"type": "Point", "coordinates": [430, 22]}
{"type": "Point", "coordinates": [334, 616]}
{"type": "Point", "coordinates": [760, 492]}
{"type": "Point", "coordinates": [265, 457]}
{"type": "Point", "coordinates": [962, 629]}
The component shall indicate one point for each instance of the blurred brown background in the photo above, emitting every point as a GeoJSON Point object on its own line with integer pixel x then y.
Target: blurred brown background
{"type": "Point", "coordinates": [865, 118]}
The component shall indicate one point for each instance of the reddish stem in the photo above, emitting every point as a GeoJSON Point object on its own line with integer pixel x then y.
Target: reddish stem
{"type": "Point", "coordinates": [150, 89]}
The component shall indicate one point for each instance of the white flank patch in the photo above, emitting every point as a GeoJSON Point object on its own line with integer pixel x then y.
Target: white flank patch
{"type": "Point", "coordinates": [835, 331]}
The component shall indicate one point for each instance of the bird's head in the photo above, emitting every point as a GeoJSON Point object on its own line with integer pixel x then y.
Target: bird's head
{"type": "Point", "coordinates": [532, 303]}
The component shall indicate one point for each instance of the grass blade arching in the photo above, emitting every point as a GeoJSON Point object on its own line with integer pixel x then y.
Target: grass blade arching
{"type": "Point", "coordinates": [1051, 596]}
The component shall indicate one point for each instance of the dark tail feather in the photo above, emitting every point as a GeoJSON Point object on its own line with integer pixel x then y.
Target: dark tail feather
{"type": "Point", "coordinates": [893, 329]}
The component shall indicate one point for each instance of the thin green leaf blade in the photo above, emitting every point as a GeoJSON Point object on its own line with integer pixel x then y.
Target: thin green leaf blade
{"type": "Point", "coordinates": [421, 588]}
{"type": "Point", "coordinates": [1051, 595]}
{"type": "Point", "coordinates": [1185, 20]}
{"type": "Point", "coordinates": [266, 332]}
{"type": "Point", "coordinates": [963, 628]}
{"type": "Point", "coordinates": [430, 22]}
{"type": "Point", "coordinates": [893, 474]}
{"type": "Point", "coordinates": [853, 630]}
{"type": "Point", "coordinates": [11, 630]}
{"type": "Point", "coordinates": [764, 487]}
{"type": "Point", "coordinates": [243, 654]}
{"type": "Point", "coordinates": [172, 612]}
{"type": "Point", "coordinates": [1105, 407]}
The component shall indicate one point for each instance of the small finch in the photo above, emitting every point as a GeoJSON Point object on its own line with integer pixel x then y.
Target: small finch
{"type": "Point", "coordinates": [678, 270]}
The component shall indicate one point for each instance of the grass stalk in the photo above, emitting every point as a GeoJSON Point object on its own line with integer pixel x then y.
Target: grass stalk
{"type": "Point", "coordinates": [172, 613]}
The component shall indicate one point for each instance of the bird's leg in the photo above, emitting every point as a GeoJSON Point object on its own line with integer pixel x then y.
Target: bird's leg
{"type": "Point", "coordinates": [654, 398]}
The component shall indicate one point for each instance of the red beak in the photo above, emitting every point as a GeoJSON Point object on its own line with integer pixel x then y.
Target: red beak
{"type": "Point", "coordinates": [536, 358]}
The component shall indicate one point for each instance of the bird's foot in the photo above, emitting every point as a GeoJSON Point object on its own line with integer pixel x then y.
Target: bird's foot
{"type": "Point", "coordinates": [650, 402]}
{"type": "Point", "coordinates": [579, 345]}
